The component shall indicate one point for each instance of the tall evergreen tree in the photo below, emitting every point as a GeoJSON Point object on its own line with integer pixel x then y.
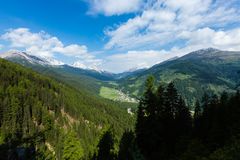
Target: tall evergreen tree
{"type": "Point", "coordinates": [145, 116]}
{"type": "Point", "coordinates": [149, 99]}
{"type": "Point", "coordinates": [197, 118]}
{"type": "Point", "coordinates": [183, 119]}
{"type": "Point", "coordinates": [106, 146]}
{"type": "Point", "coordinates": [126, 147]}
{"type": "Point", "coordinates": [72, 147]}
{"type": "Point", "coordinates": [160, 101]}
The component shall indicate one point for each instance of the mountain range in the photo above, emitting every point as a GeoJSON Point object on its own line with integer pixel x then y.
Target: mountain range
{"type": "Point", "coordinates": [205, 70]}
{"type": "Point", "coordinates": [50, 109]}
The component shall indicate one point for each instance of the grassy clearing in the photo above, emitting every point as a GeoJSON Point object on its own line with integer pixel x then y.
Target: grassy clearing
{"type": "Point", "coordinates": [109, 93]}
{"type": "Point", "coordinates": [116, 95]}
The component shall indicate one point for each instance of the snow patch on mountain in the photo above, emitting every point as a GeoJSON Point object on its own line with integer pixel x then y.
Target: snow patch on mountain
{"type": "Point", "coordinates": [205, 51]}
{"type": "Point", "coordinates": [80, 65]}
{"type": "Point", "coordinates": [31, 59]}
{"type": "Point", "coordinates": [53, 62]}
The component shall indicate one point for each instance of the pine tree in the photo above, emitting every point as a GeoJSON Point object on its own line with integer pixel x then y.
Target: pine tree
{"type": "Point", "coordinates": [126, 146]}
{"type": "Point", "coordinates": [183, 119]}
{"type": "Point", "coordinates": [197, 119]}
{"type": "Point", "coordinates": [149, 99]}
{"type": "Point", "coordinates": [146, 119]}
{"type": "Point", "coordinates": [183, 126]}
{"type": "Point", "coordinates": [72, 147]}
{"type": "Point", "coordinates": [169, 114]}
{"type": "Point", "coordinates": [197, 112]}
{"type": "Point", "coordinates": [160, 101]}
{"type": "Point", "coordinates": [140, 126]}
{"type": "Point", "coordinates": [106, 146]}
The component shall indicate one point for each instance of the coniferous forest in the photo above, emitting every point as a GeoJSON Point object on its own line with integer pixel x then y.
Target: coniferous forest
{"type": "Point", "coordinates": [41, 118]}
{"type": "Point", "coordinates": [167, 130]}
{"type": "Point", "coordinates": [119, 79]}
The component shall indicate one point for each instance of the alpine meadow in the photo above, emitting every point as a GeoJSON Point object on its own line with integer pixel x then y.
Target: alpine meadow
{"type": "Point", "coordinates": [120, 80]}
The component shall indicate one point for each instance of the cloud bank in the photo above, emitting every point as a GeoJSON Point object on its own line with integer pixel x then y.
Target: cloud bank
{"type": "Point", "coordinates": [113, 7]}
{"type": "Point", "coordinates": [164, 21]}
{"type": "Point", "coordinates": [42, 44]}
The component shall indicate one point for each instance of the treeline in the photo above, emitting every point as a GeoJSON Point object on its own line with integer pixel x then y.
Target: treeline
{"type": "Point", "coordinates": [41, 118]}
{"type": "Point", "coordinates": [167, 130]}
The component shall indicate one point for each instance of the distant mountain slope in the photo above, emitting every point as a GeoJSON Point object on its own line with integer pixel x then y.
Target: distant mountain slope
{"type": "Point", "coordinates": [29, 60]}
{"type": "Point", "coordinates": [193, 74]}
{"type": "Point", "coordinates": [91, 81]}
{"type": "Point", "coordinates": [26, 59]}
{"type": "Point", "coordinates": [23, 57]}
{"type": "Point", "coordinates": [208, 70]}
{"type": "Point", "coordinates": [37, 112]}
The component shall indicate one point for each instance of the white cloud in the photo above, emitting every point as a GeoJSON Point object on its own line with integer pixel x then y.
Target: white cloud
{"type": "Point", "coordinates": [113, 7]}
{"type": "Point", "coordinates": [206, 37]}
{"type": "Point", "coordinates": [170, 28]}
{"type": "Point", "coordinates": [142, 59]}
{"type": "Point", "coordinates": [41, 44]}
{"type": "Point", "coordinates": [44, 45]}
{"type": "Point", "coordinates": [73, 50]}
{"type": "Point", "coordinates": [134, 59]}
{"type": "Point", "coordinates": [199, 39]}
{"type": "Point", "coordinates": [163, 21]}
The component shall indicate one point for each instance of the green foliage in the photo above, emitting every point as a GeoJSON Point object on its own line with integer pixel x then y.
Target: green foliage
{"type": "Point", "coordinates": [192, 75]}
{"type": "Point", "coordinates": [72, 147]}
{"type": "Point", "coordinates": [165, 129]}
{"type": "Point", "coordinates": [126, 146]}
{"type": "Point", "coordinates": [162, 119]}
{"type": "Point", "coordinates": [229, 152]}
{"type": "Point", "coordinates": [38, 110]}
{"type": "Point", "coordinates": [106, 147]}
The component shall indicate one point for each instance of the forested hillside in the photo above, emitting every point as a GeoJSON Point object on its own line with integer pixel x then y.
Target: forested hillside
{"type": "Point", "coordinates": [119, 79]}
{"type": "Point", "coordinates": [207, 70]}
{"type": "Point", "coordinates": [44, 119]}
{"type": "Point", "coordinates": [96, 83]}
{"type": "Point", "coordinates": [166, 129]}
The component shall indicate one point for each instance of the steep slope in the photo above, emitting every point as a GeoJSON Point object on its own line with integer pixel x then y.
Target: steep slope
{"type": "Point", "coordinates": [37, 112]}
{"type": "Point", "coordinates": [30, 61]}
{"type": "Point", "coordinates": [91, 81]}
{"type": "Point", "coordinates": [74, 76]}
{"type": "Point", "coordinates": [209, 70]}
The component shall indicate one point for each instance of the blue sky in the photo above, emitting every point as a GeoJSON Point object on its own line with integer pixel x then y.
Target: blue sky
{"type": "Point", "coordinates": [117, 35]}
{"type": "Point", "coordinates": [66, 19]}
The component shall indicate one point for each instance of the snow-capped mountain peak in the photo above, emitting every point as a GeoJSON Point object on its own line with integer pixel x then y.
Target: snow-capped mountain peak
{"type": "Point", "coordinates": [206, 50]}
{"type": "Point", "coordinates": [30, 58]}
{"type": "Point", "coordinates": [80, 65]}
{"type": "Point", "coordinates": [14, 54]}
{"type": "Point", "coordinates": [52, 61]}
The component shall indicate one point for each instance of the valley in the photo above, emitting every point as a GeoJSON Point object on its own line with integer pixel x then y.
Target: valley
{"type": "Point", "coordinates": [119, 80]}
{"type": "Point", "coordinates": [86, 105]}
{"type": "Point", "coordinates": [206, 70]}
